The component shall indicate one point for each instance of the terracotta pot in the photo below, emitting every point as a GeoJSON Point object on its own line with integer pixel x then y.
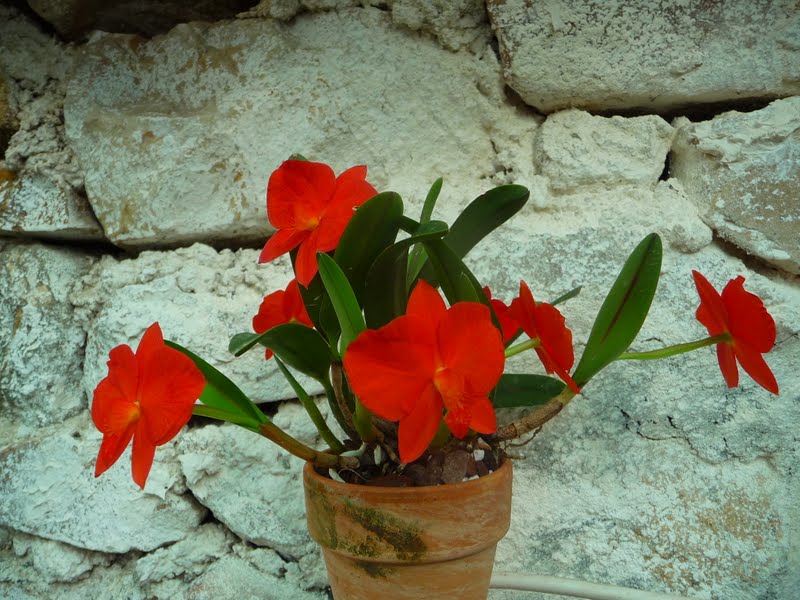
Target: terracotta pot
{"type": "Point", "coordinates": [392, 543]}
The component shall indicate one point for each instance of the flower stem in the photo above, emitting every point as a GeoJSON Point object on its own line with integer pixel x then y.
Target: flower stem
{"type": "Point", "coordinates": [522, 347]}
{"type": "Point", "coordinates": [337, 403]}
{"type": "Point", "coordinates": [536, 418]}
{"type": "Point", "coordinates": [676, 349]}
{"type": "Point", "coordinates": [322, 459]}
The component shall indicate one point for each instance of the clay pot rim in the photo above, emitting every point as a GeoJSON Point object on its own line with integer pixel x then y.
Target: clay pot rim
{"type": "Point", "coordinates": [310, 473]}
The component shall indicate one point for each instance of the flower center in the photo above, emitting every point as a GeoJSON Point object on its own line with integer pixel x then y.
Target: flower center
{"type": "Point", "coordinates": [451, 387]}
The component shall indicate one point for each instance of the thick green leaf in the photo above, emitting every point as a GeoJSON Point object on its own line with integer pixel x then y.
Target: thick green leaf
{"type": "Point", "coordinates": [483, 215]}
{"type": "Point", "coordinates": [242, 342]}
{"type": "Point", "coordinates": [386, 294]}
{"type": "Point", "coordinates": [372, 229]}
{"type": "Point", "coordinates": [457, 281]}
{"type": "Point", "coordinates": [301, 348]}
{"type": "Point", "coordinates": [204, 410]}
{"type": "Point", "coordinates": [624, 309]}
{"type": "Point", "coordinates": [417, 258]}
{"type": "Point", "coordinates": [220, 392]}
{"type": "Point", "coordinates": [348, 312]}
{"type": "Point", "coordinates": [525, 390]}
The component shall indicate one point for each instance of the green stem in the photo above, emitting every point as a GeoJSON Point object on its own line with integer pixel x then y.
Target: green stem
{"type": "Point", "coordinates": [676, 349]}
{"type": "Point", "coordinates": [362, 421]}
{"type": "Point", "coordinates": [322, 459]}
{"type": "Point", "coordinates": [313, 412]}
{"type": "Point", "coordinates": [336, 409]}
{"type": "Point", "coordinates": [522, 347]}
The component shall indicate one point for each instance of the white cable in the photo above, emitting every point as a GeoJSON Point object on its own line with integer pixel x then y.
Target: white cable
{"type": "Point", "coordinates": [571, 587]}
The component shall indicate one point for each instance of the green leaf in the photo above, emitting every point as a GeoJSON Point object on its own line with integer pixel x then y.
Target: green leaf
{"type": "Point", "coordinates": [210, 412]}
{"type": "Point", "coordinates": [525, 390]}
{"type": "Point", "coordinates": [372, 229]}
{"type": "Point", "coordinates": [418, 257]}
{"type": "Point", "coordinates": [483, 215]}
{"type": "Point", "coordinates": [242, 342]}
{"type": "Point", "coordinates": [624, 309]}
{"type": "Point", "coordinates": [301, 348]}
{"type": "Point", "coordinates": [348, 312]}
{"type": "Point", "coordinates": [568, 296]}
{"type": "Point", "coordinates": [385, 295]}
{"type": "Point", "coordinates": [220, 392]}
{"type": "Point", "coordinates": [457, 281]}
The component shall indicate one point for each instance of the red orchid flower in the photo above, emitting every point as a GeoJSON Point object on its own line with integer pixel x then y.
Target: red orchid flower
{"type": "Point", "coordinates": [509, 326]}
{"type": "Point", "coordinates": [742, 316]}
{"type": "Point", "coordinates": [310, 208]}
{"type": "Point", "coordinates": [544, 322]}
{"type": "Point", "coordinates": [430, 359]}
{"type": "Point", "coordinates": [277, 308]}
{"type": "Point", "coordinates": [147, 396]}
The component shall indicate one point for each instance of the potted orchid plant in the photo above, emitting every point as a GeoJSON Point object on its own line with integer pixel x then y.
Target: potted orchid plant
{"type": "Point", "coordinates": [413, 491]}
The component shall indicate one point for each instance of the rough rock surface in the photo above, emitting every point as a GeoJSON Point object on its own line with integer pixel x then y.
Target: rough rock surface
{"type": "Point", "coordinates": [743, 172]}
{"type": "Point", "coordinates": [199, 296]}
{"type": "Point", "coordinates": [574, 149]}
{"type": "Point", "coordinates": [41, 345]}
{"type": "Point", "coordinates": [40, 189]}
{"type": "Point", "coordinates": [48, 490]}
{"type": "Point", "coordinates": [268, 508]}
{"type": "Point", "coordinates": [207, 112]}
{"type": "Point", "coordinates": [55, 561]}
{"type": "Point", "coordinates": [657, 476]}
{"type": "Point", "coordinates": [655, 56]}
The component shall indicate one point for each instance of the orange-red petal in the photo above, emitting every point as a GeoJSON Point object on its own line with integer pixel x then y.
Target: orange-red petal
{"type": "Point", "coordinates": [389, 368]}
{"type": "Point", "coordinates": [144, 450]}
{"type": "Point", "coordinates": [470, 345]}
{"type": "Point", "coordinates": [298, 191]}
{"type": "Point", "coordinates": [755, 366]}
{"type": "Point", "coordinates": [417, 429]}
{"type": "Point", "coordinates": [482, 416]}
{"type": "Point", "coordinates": [281, 242]}
{"type": "Point", "coordinates": [748, 319]}
{"type": "Point", "coordinates": [711, 312]}
{"type": "Point", "coordinates": [426, 304]}
{"type": "Point", "coordinates": [111, 448]}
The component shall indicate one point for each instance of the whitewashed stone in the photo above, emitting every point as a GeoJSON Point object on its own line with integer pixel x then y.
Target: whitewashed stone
{"type": "Point", "coordinates": [48, 490]}
{"type": "Point", "coordinates": [55, 561]}
{"type": "Point", "coordinates": [456, 24]}
{"type": "Point", "coordinates": [250, 484]}
{"type": "Point", "coordinates": [36, 206]}
{"type": "Point", "coordinates": [232, 578]}
{"type": "Point", "coordinates": [743, 172]}
{"type": "Point", "coordinates": [40, 195]}
{"type": "Point", "coordinates": [41, 345]}
{"type": "Point", "coordinates": [574, 149]}
{"type": "Point", "coordinates": [187, 558]}
{"type": "Point", "coordinates": [199, 296]}
{"type": "Point", "coordinates": [653, 56]}
{"type": "Point", "coordinates": [657, 476]}
{"type": "Point", "coordinates": [207, 112]}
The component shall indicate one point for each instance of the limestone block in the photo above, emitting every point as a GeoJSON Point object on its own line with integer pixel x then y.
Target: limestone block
{"type": "Point", "coordinates": [654, 56]}
{"type": "Point", "coordinates": [199, 296]}
{"type": "Point", "coordinates": [36, 206]}
{"type": "Point", "coordinates": [41, 345]}
{"type": "Point", "coordinates": [657, 476]}
{"type": "Point", "coordinates": [456, 24]}
{"type": "Point", "coordinates": [574, 149]}
{"type": "Point", "coordinates": [49, 490]}
{"type": "Point", "coordinates": [55, 561]}
{"type": "Point", "coordinates": [267, 507]}
{"type": "Point", "coordinates": [179, 134]}
{"type": "Point", "coordinates": [232, 577]}
{"type": "Point", "coordinates": [743, 172]}
{"type": "Point", "coordinates": [40, 179]}
{"type": "Point", "coordinates": [187, 558]}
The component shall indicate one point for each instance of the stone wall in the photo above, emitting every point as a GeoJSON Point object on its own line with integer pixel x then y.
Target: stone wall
{"type": "Point", "coordinates": [132, 190]}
